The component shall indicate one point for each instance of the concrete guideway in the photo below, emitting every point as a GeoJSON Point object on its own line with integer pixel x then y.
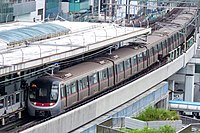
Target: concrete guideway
{"type": "Point", "coordinates": [75, 118]}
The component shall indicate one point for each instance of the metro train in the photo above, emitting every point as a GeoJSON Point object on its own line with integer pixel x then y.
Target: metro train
{"type": "Point", "coordinates": [50, 95]}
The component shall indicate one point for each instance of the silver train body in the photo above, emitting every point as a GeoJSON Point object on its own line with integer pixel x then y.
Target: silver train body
{"type": "Point", "coordinates": [50, 95]}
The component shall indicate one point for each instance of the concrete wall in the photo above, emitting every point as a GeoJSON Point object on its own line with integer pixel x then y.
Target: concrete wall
{"type": "Point", "coordinates": [138, 124]}
{"type": "Point", "coordinates": [24, 8]}
{"type": "Point", "coordinates": [98, 107]}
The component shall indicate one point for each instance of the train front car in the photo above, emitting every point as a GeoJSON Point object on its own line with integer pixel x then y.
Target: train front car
{"type": "Point", "coordinates": [43, 97]}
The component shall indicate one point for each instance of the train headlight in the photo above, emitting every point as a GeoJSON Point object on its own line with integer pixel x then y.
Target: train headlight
{"type": "Point", "coordinates": [51, 104]}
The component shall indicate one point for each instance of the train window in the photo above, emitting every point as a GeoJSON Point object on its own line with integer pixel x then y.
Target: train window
{"type": "Point", "coordinates": [156, 49]}
{"type": "Point", "coordinates": [68, 90]}
{"type": "Point", "coordinates": [177, 35]}
{"type": "Point", "coordinates": [54, 94]}
{"type": "Point", "coordinates": [73, 87]}
{"type": "Point", "coordinates": [32, 94]}
{"type": "Point", "coordinates": [80, 84]}
{"type": "Point", "coordinates": [93, 79]}
{"type": "Point", "coordinates": [110, 71]}
{"type": "Point", "coordinates": [169, 41]}
{"type": "Point", "coordinates": [159, 47]}
{"type": "Point", "coordinates": [140, 58]}
{"type": "Point", "coordinates": [127, 64]}
{"type": "Point", "coordinates": [63, 92]}
{"type": "Point", "coordinates": [151, 52]}
{"type": "Point", "coordinates": [134, 60]}
{"type": "Point", "coordinates": [172, 39]}
{"type": "Point", "coordinates": [165, 44]}
{"type": "Point", "coordinates": [120, 67]}
{"type": "Point", "coordinates": [42, 92]}
{"type": "Point", "coordinates": [85, 82]}
{"type": "Point", "coordinates": [62, 88]}
{"type": "Point", "coordinates": [103, 74]}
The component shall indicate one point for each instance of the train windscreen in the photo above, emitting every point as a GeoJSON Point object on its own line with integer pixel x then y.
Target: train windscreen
{"type": "Point", "coordinates": [41, 93]}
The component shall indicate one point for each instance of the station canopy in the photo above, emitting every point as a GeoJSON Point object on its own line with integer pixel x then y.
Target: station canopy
{"type": "Point", "coordinates": [32, 33]}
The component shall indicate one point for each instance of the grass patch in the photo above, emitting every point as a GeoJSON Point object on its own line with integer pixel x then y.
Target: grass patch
{"type": "Point", "coordinates": [153, 114]}
{"type": "Point", "coordinates": [162, 129]}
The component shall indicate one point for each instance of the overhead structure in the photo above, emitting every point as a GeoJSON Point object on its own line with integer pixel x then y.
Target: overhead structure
{"type": "Point", "coordinates": [32, 33]}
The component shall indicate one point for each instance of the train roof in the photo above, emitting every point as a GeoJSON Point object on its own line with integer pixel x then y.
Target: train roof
{"type": "Point", "coordinates": [47, 79]}
{"type": "Point", "coordinates": [83, 68]}
{"type": "Point", "coordinates": [170, 27]}
{"type": "Point", "coordinates": [125, 53]}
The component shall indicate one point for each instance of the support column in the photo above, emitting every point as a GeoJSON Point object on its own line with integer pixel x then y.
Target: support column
{"type": "Point", "coordinates": [171, 88]}
{"type": "Point", "coordinates": [189, 83]}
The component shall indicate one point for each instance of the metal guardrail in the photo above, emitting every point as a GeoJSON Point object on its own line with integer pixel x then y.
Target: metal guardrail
{"type": "Point", "coordinates": [188, 120]}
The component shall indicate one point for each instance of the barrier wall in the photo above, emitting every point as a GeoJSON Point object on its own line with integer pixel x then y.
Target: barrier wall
{"type": "Point", "coordinates": [86, 113]}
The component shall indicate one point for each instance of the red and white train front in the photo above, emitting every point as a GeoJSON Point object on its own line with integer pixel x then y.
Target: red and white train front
{"type": "Point", "coordinates": [43, 97]}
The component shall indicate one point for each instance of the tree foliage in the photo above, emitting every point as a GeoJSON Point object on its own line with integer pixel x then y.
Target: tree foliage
{"type": "Point", "coordinates": [152, 114]}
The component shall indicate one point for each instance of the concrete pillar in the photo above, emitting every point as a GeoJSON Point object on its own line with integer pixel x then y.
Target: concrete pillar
{"type": "Point", "coordinates": [189, 83]}
{"type": "Point", "coordinates": [171, 88]}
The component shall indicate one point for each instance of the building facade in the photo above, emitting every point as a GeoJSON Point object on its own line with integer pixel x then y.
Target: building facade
{"type": "Point", "coordinates": [52, 8]}
{"type": "Point", "coordinates": [6, 11]}
{"type": "Point", "coordinates": [11, 10]}
{"type": "Point", "coordinates": [77, 6]}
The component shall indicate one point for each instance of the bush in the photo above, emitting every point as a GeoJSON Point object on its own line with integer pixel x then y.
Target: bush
{"type": "Point", "coordinates": [152, 114]}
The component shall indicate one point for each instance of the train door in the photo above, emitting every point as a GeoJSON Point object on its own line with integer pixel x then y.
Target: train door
{"type": "Point", "coordinates": [127, 66]}
{"type": "Point", "coordinates": [134, 65]}
{"type": "Point", "coordinates": [140, 62]}
{"type": "Point", "coordinates": [155, 53]}
{"type": "Point", "coordinates": [83, 89]}
{"type": "Point", "coordinates": [165, 48]}
{"type": "Point", "coordinates": [68, 92]}
{"type": "Point", "coordinates": [160, 52]}
{"type": "Point", "coordinates": [151, 58]}
{"type": "Point", "coordinates": [172, 42]}
{"type": "Point", "coordinates": [120, 71]}
{"type": "Point", "coordinates": [111, 76]}
{"type": "Point", "coordinates": [175, 41]}
{"type": "Point", "coordinates": [73, 94]}
{"type": "Point", "coordinates": [145, 59]}
{"type": "Point", "coordinates": [93, 83]}
{"type": "Point", "coordinates": [169, 45]}
{"type": "Point", "coordinates": [178, 39]}
{"type": "Point", "coordinates": [103, 79]}
{"type": "Point", "coordinates": [181, 37]}
{"type": "Point", "coordinates": [63, 96]}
